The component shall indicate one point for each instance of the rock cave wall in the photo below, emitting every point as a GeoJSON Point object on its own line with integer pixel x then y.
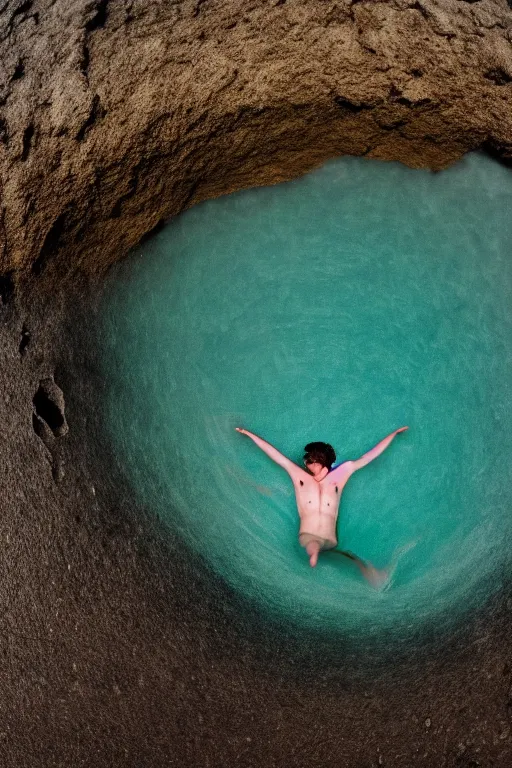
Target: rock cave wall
{"type": "Point", "coordinates": [115, 116]}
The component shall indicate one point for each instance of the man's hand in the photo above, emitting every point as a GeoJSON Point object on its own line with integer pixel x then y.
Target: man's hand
{"type": "Point", "coordinates": [402, 429]}
{"type": "Point", "coordinates": [244, 431]}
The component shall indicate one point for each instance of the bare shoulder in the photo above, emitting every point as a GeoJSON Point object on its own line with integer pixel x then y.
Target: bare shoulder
{"type": "Point", "coordinates": [297, 473]}
{"type": "Point", "coordinates": [342, 470]}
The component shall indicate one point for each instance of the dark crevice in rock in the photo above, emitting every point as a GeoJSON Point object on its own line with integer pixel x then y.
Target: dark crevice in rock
{"type": "Point", "coordinates": [418, 7]}
{"type": "Point", "coordinates": [84, 65]}
{"type": "Point", "coordinates": [7, 287]}
{"type": "Point", "coordinates": [410, 103]}
{"type": "Point", "coordinates": [22, 6]}
{"type": "Point", "coordinates": [51, 243]}
{"type": "Point", "coordinates": [48, 411]}
{"type": "Point", "coordinates": [129, 14]}
{"type": "Point", "coordinates": [19, 71]}
{"type": "Point", "coordinates": [197, 8]}
{"type": "Point", "coordinates": [396, 96]}
{"type": "Point", "coordinates": [97, 113]}
{"type": "Point", "coordinates": [350, 106]}
{"type": "Point", "coordinates": [501, 153]}
{"type": "Point", "coordinates": [201, 119]}
{"type": "Point", "coordinates": [99, 17]}
{"type": "Point", "coordinates": [49, 422]}
{"type": "Point", "coordinates": [28, 135]}
{"type": "Point", "coordinates": [25, 339]}
{"type": "Point", "coordinates": [498, 76]}
{"type": "Point", "coordinates": [49, 407]}
{"type": "Point", "coordinates": [3, 248]}
{"type": "Point", "coordinates": [4, 133]}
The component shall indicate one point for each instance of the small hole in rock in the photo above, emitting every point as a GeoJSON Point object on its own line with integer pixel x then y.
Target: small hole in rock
{"type": "Point", "coordinates": [19, 71]}
{"type": "Point", "coordinates": [49, 406]}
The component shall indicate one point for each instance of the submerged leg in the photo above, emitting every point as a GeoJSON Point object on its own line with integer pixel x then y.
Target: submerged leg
{"type": "Point", "coordinates": [374, 576]}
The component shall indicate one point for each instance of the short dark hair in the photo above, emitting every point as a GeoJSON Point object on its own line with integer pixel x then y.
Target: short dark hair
{"type": "Point", "coordinates": [323, 453]}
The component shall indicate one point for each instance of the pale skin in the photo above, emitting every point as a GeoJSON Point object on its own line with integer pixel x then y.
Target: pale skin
{"type": "Point", "coordinates": [318, 493]}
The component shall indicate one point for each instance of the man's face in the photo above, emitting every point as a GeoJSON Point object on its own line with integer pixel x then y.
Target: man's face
{"type": "Point", "coordinates": [314, 467]}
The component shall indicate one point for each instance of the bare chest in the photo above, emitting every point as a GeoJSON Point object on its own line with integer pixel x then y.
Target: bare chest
{"type": "Point", "coordinates": [313, 497]}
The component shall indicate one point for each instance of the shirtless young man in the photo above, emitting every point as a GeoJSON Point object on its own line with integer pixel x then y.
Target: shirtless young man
{"type": "Point", "coordinates": [318, 493]}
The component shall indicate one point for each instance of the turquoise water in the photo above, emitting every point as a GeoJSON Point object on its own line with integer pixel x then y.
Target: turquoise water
{"type": "Point", "coordinates": [337, 307]}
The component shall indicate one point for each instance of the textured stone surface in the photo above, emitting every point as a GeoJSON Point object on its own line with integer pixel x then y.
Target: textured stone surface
{"type": "Point", "coordinates": [116, 115]}
{"type": "Point", "coordinates": [118, 648]}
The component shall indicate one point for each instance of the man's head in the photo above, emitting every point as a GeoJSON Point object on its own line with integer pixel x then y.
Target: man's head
{"type": "Point", "coordinates": [318, 455]}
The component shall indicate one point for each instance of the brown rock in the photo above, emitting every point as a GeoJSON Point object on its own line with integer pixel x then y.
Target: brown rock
{"type": "Point", "coordinates": [118, 647]}
{"type": "Point", "coordinates": [115, 116]}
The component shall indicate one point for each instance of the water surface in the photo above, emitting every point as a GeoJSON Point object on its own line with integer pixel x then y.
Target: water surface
{"type": "Point", "coordinates": [337, 307]}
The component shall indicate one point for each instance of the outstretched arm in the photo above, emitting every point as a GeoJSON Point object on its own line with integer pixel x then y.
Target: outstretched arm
{"type": "Point", "coordinates": [272, 452]}
{"type": "Point", "coordinates": [379, 448]}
